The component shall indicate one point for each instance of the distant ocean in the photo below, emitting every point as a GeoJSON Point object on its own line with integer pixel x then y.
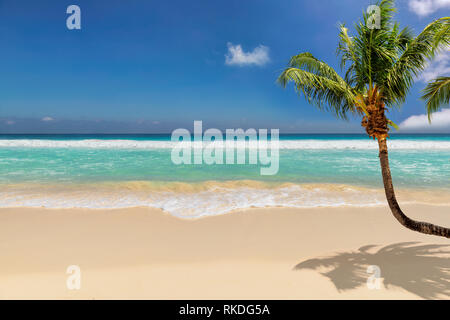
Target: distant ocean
{"type": "Point", "coordinates": [117, 171]}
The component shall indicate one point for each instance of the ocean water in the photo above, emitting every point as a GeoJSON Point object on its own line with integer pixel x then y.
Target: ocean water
{"type": "Point", "coordinates": [116, 171]}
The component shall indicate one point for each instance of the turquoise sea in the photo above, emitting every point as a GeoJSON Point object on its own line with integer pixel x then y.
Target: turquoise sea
{"type": "Point", "coordinates": [112, 171]}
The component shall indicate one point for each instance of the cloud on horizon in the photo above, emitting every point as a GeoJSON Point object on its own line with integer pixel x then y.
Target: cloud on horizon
{"type": "Point", "coordinates": [440, 122]}
{"type": "Point", "coordinates": [238, 57]}
{"type": "Point", "coordinates": [426, 7]}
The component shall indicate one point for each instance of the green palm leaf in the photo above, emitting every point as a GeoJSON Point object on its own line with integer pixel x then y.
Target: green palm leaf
{"type": "Point", "coordinates": [436, 94]}
{"type": "Point", "coordinates": [413, 60]}
{"type": "Point", "coordinates": [319, 83]}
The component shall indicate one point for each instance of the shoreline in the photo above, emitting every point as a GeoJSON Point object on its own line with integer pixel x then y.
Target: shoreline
{"type": "Point", "coordinates": [208, 198]}
{"type": "Point", "coordinates": [143, 253]}
{"type": "Point", "coordinates": [154, 210]}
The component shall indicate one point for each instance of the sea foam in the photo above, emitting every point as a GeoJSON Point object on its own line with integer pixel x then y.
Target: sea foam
{"type": "Point", "coordinates": [187, 200]}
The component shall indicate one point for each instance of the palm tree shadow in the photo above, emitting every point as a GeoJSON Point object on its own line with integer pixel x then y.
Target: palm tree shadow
{"type": "Point", "coordinates": [423, 270]}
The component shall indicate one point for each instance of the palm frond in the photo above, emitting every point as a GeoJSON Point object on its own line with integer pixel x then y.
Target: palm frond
{"type": "Point", "coordinates": [413, 60]}
{"type": "Point", "coordinates": [436, 94]}
{"type": "Point", "coordinates": [346, 47]}
{"type": "Point", "coordinates": [306, 61]}
{"type": "Point", "coordinates": [372, 50]}
{"type": "Point", "coordinates": [320, 84]}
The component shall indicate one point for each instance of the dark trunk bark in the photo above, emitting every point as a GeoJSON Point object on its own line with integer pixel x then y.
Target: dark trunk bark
{"type": "Point", "coordinates": [423, 227]}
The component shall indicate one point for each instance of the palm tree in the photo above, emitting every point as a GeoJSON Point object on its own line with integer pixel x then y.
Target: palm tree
{"type": "Point", "coordinates": [380, 65]}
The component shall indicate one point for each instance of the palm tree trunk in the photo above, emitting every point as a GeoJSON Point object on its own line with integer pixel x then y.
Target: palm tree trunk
{"type": "Point", "coordinates": [423, 227]}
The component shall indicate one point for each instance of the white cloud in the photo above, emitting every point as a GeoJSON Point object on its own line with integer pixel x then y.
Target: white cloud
{"type": "Point", "coordinates": [10, 122]}
{"type": "Point", "coordinates": [439, 122]}
{"type": "Point", "coordinates": [425, 7]}
{"type": "Point", "coordinates": [439, 66]}
{"type": "Point", "coordinates": [236, 56]}
{"type": "Point", "coordinates": [47, 119]}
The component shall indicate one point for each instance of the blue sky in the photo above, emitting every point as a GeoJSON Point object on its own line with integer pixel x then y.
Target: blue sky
{"type": "Point", "coordinates": [152, 66]}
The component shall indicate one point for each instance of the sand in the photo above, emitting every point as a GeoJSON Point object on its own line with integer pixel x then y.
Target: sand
{"type": "Point", "coordinates": [273, 253]}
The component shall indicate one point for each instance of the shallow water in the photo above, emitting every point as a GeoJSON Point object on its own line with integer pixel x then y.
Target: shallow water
{"type": "Point", "coordinates": [127, 171]}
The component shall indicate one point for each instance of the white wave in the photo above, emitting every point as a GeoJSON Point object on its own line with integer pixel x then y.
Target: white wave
{"type": "Point", "coordinates": [193, 205]}
{"type": "Point", "coordinates": [312, 144]}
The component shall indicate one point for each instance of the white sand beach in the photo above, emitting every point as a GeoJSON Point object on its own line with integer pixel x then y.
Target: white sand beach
{"type": "Point", "coordinates": [274, 253]}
